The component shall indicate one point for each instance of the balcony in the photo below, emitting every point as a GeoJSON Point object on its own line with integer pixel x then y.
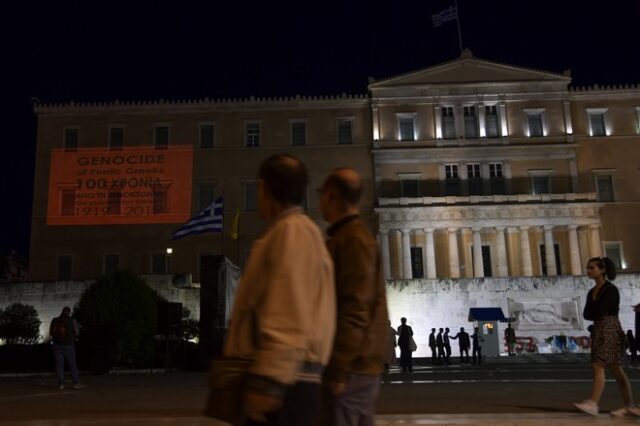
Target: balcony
{"type": "Point", "coordinates": [487, 199]}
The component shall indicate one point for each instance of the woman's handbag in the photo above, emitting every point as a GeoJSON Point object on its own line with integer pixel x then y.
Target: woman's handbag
{"type": "Point", "coordinates": [412, 344]}
{"type": "Point", "coordinates": [227, 378]}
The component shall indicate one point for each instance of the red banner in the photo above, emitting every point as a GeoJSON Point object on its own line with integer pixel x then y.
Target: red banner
{"type": "Point", "coordinates": [135, 185]}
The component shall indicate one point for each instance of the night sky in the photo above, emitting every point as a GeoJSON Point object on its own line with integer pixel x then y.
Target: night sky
{"type": "Point", "coordinates": [143, 49]}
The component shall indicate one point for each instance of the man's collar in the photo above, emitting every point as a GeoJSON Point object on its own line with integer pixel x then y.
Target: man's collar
{"type": "Point", "coordinates": [339, 224]}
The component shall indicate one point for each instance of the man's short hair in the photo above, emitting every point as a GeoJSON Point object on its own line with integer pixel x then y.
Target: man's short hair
{"type": "Point", "coordinates": [285, 178]}
{"type": "Point", "coordinates": [347, 191]}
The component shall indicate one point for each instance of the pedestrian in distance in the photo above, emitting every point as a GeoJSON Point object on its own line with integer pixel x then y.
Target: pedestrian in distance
{"type": "Point", "coordinates": [477, 340]}
{"type": "Point", "coordinates": [440, 346]}
{"type": "Point", "coordinates": [391, 355]}
{"type": "Point", "coordinates": [631, 344]}
{"type": "Point", "coordinates": [360, 349]}
{"type": "Point", "coordinates": [283, 320]}
{"type": "Point", "coordinates": [405, 332]}
{"type": "Point", "coordinates": [447, 345]}
{"type": "Point", "coordinates": [63, 331]}
{"type": "Point", "coordinates": [464, 342]}
{"type": "Point", "coordinates": [510, 339]}
{"type": "Point", "coordinates": [602, 307]}
{"type": "Point", "coordinates": [432, 345]}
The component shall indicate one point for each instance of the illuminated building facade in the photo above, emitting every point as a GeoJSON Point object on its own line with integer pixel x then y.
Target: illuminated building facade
{"type": "Point", "coordinates": [472, 169]}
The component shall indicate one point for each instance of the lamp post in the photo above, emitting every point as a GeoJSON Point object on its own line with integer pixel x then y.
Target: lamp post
{"type": "Point", "coordinates": [169, 253]}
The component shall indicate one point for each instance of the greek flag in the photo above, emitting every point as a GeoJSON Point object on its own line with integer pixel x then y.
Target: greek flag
{"type": "Point", "coordinates": [448, 14]}
{"type": "Point", "coordinates": [208, 220]}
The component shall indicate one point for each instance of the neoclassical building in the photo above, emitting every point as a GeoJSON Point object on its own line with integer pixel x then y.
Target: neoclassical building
{"type": "Point", "coordinates": [472, 169]}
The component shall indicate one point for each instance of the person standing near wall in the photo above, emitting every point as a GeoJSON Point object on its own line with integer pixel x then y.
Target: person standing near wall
{"type": "Point", "coordinates": [405, 333]}
{"type": "Point", "coordinates": [63, 331]}
{"type": "Point", "coordinates": [477, 340]}
{"type": "Point", "coordinates": [510, 339]}
{"type": "Point", "coordinates": [602, 307]}
{"type": "Point", "coordinates": [464, 344]}
{"type": "Point", "coordinates": [432, 345]}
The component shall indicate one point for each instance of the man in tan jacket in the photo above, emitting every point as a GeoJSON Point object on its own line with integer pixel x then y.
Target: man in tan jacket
{"type": "Point", "coordinates": [352, 378]}
{"type": "Point", "coordinates": [284, 315]}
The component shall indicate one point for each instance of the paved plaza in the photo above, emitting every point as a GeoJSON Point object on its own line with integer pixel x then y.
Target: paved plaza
{"type": "Point", "coordinates": [522, 390]}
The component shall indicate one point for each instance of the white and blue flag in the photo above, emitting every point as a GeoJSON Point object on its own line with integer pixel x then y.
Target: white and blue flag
{"type": "Point", "coordinates": [208, 220]}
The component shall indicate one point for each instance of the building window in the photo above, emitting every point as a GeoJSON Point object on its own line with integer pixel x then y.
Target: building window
{"type": "Point", "coordinates": [111, 263]}
{"type": "Point", "coordinates": [543, 259]}
{"type": "Point", "coordinates": [161, 137]}
{"type": "Point", "coordinates": [597, 123]}
{"type": "Point", "coordinates": [345, 136]}
{"type": "Point", "coordinates": [160, 199]}
{"type": "Point", "coordinates": [448, 123]}
{"type": "Point", "coordinates": [250, 192]}
{"type": "Point", "coordinates": [541, 184]}
{"type": "Point", "coordinates": [613, 250]}
{"type": "Point", "coordinates": [470, 122]}
{"type": "Point", "coordinates": [604, 187]}
{"type": "Point", "coordinates": [114, 202]}
{"type": "Point", "coordinates": [417, 268]}
{"type": "Point", "coordinates": [536, 125]}
{"type": "Point", "coordinates": [252, 134]}
{"type": "Point", "coordinates": [496, 179]}
{"type": "Point", "coordinates": [159, 263]}
{"type": "Point", "coordinates": [410, 188]}
{"type": "Point", "coordinates": [65, 263]}
{"type": "Point", "coordinates": [452, 179]}
{"type": "Point", "coordinates": [491, 121]}
{"type": "Point", "coordinates": [407, 127]}
{"type": "Point", "coordinates": [206, 195]}
{"type": "Point", "coordinates": [116, 138]}
{"type": "Point", "coordinates": [298, 133]}
{"type": "Point", "coordinates": [70, 139]}
{"type": "Point", "coordinates": [207, 135]}
{"type": "Point", "coordinates": [68, 202]}
{"type": "Point", "coordinates": [474, 179]}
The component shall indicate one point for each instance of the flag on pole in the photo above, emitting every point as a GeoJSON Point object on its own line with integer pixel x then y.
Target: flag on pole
{"type": "Point", "coordinates": [235, 225]}
{"type": "Point", "coordinates": [448, 14]}
{"type": "Point", "coordinates": [208, 220]}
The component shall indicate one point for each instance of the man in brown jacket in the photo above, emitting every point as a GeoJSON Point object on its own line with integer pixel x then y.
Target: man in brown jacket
{"type": "Point", "coordinates": [352, 378]}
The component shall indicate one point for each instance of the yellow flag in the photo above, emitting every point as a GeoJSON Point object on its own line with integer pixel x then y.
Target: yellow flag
{"type": "Point", "coordinates": [235, 224]}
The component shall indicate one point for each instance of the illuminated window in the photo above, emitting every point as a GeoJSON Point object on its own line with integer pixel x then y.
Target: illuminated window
{"type": "Point", "coordinates": [345, 136]}
{"type": "Point", "coordinates": [114, 202]}
{"type": "Point", "coordinates": [613, 250]}
{"type": "Point", "coordinates": [70, 139]}
{"type": "Point", "coordinates": [496, 179]}
{"type": "Point", "coordinates": [298, 133]}
{"type": "Point", "coordinates": [161, 137]}
{"type": "Point", "coordinates": [111, 263]}
{"type": "Point", "coordinates": [491, 121]}
{"type": "Point", "coordinates": [448, 123]}
{"type": "Point", "coordinates": [596, 121]}
{"type": "Point", "coordinates": [535, 124]}
{"type": "Point", "coordinates": [474, 179]}
{"type": "Point", "coordinates": [250, 192]}
{"type": "Point", "coordinates": [116, 138]}
{"type": "Point", "coordinates": [65, 264]}
{"type": "Point", "coordinates": [252, 134]}
{"type": "Point", "coordinates": [207, 135]}
{"type": "Point", "coordinates": [406, 126]}
{"type": "Point", "coordinates": [470, 122]}
{"type": "Point", "coordinates": [68, 202]}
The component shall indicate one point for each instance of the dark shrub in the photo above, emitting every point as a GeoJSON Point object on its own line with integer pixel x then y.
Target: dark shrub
{"type": "Point", "coordinates": [118, 314]}
{"type": "Point", "coordinates": [19, 324]}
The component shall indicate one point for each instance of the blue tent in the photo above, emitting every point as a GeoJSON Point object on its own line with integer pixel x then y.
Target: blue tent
{"type": "Point", "coordinates": [486, 314]}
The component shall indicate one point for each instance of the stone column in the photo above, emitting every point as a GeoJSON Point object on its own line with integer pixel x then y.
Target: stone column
{"type": "Point", "coordinates": [406, 254]}
{"type": "Point", "coordinates": [595, 246]}
{"type": "Point", "coordinates": [525, 252]}
{"type": "Point", "coordinates": [454, 261]}
{"type": "Point", "coordinates": [549, 251]}
{"type": "Point", "coordinates": [501, 248]}
{"type": "Point", "coordinates": [397, 242]}
{"type": "Point", "coordinates": [574, 250]}
{"type": "Point", "coordinates": [482, 121]}
{"type": "Point", "coordinates": [430, 252]}
{"type": "Point", "coordinates": [438, 123]}
{"type": "Point", "coordinates": [383, 238]}
{"type": "Point", "coordinates": [478, 267]}
{"type": "Point", "coordinates": [504, 130]}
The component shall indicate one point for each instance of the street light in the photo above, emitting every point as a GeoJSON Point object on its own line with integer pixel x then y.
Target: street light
{"type": "Point", "coordinates": [169, 252]}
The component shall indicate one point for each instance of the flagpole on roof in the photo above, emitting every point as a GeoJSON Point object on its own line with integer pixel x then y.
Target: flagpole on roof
{"type": "Point", "coordinates": [459, 30]}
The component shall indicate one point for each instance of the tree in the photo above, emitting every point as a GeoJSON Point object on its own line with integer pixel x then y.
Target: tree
{"type": "Point", "coordinates": [19, 324]}
{"type": "Point", "coordinates": [119, 312]}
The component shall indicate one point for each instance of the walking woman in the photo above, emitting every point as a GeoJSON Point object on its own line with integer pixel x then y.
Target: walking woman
{"type": "Point", "coordinates": [602, 306]}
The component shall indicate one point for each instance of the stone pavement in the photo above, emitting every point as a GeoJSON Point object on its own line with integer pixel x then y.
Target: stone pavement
{"type": "Point", "coordinates": [525, 390]}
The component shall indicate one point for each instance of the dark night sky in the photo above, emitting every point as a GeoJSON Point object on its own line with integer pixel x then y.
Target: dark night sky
{"type": "Point", "coordinates": [106, 50]}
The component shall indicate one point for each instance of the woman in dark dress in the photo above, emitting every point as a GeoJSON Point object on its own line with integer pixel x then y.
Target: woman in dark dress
{"type": "Point", "coordinates": [602, 306]}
